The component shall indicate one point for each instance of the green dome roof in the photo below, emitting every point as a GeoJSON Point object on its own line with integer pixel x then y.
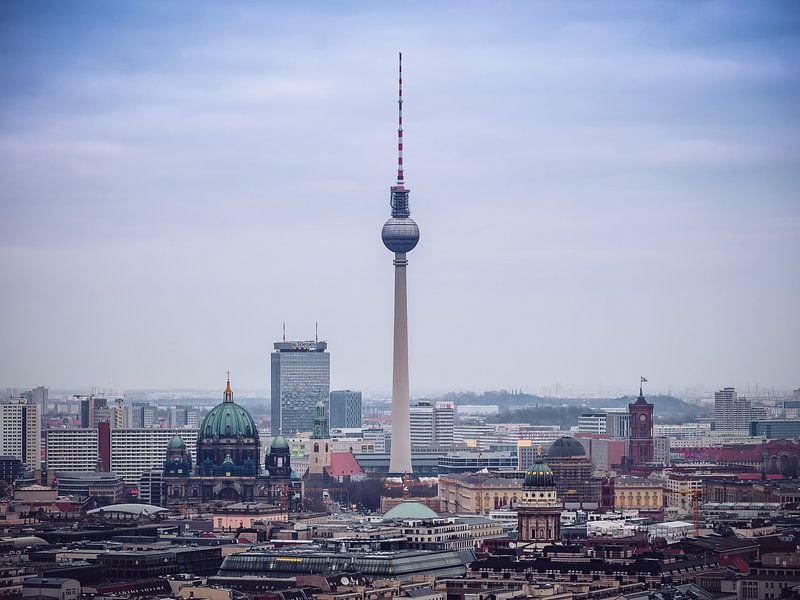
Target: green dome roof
{"type": "Point", "coordinates": [227, 420]}
{"type": "Point", "coordinates": [565, 447]}
{"type": "Point", "coordinates": [410, 510]}
{"type": "Point", "coordinates": [539, 475]}
{"type": "Point", "coordinates": [176, 443]}
{"type": "Point", "coordinates": [279, 443]}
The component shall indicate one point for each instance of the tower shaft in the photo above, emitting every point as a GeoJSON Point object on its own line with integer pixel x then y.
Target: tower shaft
{"type": "Point", "coordinates": [400, 457]}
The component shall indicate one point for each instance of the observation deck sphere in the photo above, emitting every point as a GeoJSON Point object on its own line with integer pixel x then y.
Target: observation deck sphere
{"type": "Point", "coordinates": [400, 234]}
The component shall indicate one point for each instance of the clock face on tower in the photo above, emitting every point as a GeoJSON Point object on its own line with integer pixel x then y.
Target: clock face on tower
{"type": "Point", "coordinates": [643, 418]}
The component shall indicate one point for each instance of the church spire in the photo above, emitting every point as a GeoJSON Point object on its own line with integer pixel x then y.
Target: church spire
{"type": "Point", "coordinates": [228, 391]}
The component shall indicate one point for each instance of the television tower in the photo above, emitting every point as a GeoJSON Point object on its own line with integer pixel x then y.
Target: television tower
{"type": "Point", "coordinates": [400, 235]}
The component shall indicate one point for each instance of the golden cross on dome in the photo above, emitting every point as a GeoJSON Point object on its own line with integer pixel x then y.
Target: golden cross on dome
{"type": "Point", "coordinates": [538, 450]}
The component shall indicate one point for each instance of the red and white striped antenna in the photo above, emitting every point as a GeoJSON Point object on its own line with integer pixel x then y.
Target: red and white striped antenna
{"type": "Point", "coordinates": [400, 180]}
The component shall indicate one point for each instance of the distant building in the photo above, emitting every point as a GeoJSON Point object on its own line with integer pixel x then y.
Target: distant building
{"type": "Point", "coordinates": [618, 424]}
{"type": "Point", "coordinates": [469, 462]}
{"type": "Point", "coordinates": [731, 412]}
{"type": "Point", "coordinates": [477, 493]}
{"type": "Point", "coordinates": [661, 446]}
{"type": "Point", "coordinates": [183, 416]}
{"type": "Point", "coordinates": [151, 487]}
{"type": "Point", "coordinates": [432, 424]}
{"type": "Point", "coordinates": [141, 415]}
{"type": "Point", "coordinates": [90, 485]}
{"type": "Point", "coordinates": [94, 410]}
{"type": "Point", "coordinates": [39, 396]}
{"type": "Point", "coordinates": [592, 423]}
{"type": "Point", "coordinates": [57, 588]}
{"type": "Point", "coordinates": [20, 427]}
{"type": "Point", "coordinates": [640, 445]}
{"type": "Point", "coordinates": [300, 376]}
{"type": "Point", "coordinates": [539, 508]}
{"type": "Point", "coordinates": [572, 470]}
{"type": "Point", "coordinates": [345, 408]}
{"type": "Point", "coordinates": [638, 493]}
{"type": "Point", "coordinates": [132, 451]}
{"type": "Point", "coordinates": [377, 436]}
{"type": "Point", "coordinates": [776, 428]}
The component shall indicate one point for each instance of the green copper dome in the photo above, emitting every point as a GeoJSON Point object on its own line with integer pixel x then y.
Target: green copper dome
{"type": "Point", "coordinates": [228, 420]}
{"type": "Point", "coordinates": [176, 443]}
{"type": "Point", "coordinates": [539, 475]}
{"type": "Point", "coordinates": [279, 443]}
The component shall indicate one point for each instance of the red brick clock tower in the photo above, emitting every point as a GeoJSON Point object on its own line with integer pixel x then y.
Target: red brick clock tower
{"type": "Point", "coordinates": [640, 445]}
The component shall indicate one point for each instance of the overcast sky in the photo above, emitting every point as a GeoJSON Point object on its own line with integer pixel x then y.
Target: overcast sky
{"type": "Point", "coordinates": [604, 190]}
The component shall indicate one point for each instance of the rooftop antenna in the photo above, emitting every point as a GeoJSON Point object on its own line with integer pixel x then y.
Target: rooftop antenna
{"type": "Point", "coordinates": [284, 331]}
{"type": "Point", "coordinates": [400, 180]}
{"type": "Point", "coordinates": [316, 331]}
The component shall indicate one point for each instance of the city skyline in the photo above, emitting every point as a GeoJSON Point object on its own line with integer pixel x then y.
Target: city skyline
{"type": "Point", "coordinates": [174, 190]}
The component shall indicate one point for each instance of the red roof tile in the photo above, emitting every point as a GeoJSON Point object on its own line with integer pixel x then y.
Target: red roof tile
{"type": "Point", "coordinates": [344, 463]}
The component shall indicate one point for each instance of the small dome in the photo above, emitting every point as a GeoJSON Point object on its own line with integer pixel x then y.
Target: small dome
{"type": "Point", "coordinates": [410, 510]}
{"type": "Point", "coordinates": [279, 443]}
{"type": "Point", "coordinates": [566, 447]}
{"type": "Point", "coordinates": [539, 475]}
{"type": "Point", "coordinates": [177, 443]}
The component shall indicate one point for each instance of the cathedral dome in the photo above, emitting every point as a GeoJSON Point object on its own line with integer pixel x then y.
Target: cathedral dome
{"type": "Point", "coordinates": [228, 420]}
{"type": "Point", "coordinates": [539, 475]}
{"type": "Point", "coordinates": [566, 447]}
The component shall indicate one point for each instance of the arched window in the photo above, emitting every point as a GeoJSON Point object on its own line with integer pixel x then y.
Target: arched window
{"type": "Point", "coordinates": [316, 447]}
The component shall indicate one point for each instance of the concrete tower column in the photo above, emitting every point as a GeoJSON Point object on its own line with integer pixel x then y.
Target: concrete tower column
{"type": "Point", "coordinates": [400, 458]}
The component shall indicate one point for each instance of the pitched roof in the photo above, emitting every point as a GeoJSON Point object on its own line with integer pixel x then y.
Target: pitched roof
{"type": "Point", "coordinates": [342, 464]}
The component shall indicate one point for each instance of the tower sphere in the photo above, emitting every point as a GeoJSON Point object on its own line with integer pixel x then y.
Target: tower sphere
{"type": "Point", "coordinates": [400, 234]}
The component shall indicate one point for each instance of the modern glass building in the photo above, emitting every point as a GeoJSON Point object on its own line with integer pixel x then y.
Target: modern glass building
{"type": "Point", "coordinates": [345, 410]}
{"type": "Point", "coordinates": [301, 377]}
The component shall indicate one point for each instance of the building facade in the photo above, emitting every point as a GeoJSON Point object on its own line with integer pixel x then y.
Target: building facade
{"type": "Point", "coordinates": [731, 412]}
{"type": "Point", "coordinates": [20, 427]}
{"type": "Point", "coordinates": [477, 493]}
{"type": "Point", "coordinates": [431, 424]}
{"type": "Point", "coordinates": [572, 471]}
{"type": "Point", "coordinates": [345, 409]}
{"type": "Point", "coordinates": [640, 445]}
{"type": "Point", "coordinates": [300, 376]}
{"type": "Point", "coordinates": [132, 452]}
{"type": "Point", "coordinates": [226, 465]}
{"type": "Point", "coordinates": [539, 508]}
{"type": "Point", "coordinates": [638, 493]}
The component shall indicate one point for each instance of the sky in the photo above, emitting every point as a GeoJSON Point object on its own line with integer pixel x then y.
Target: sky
{"type": "Point", "coordinates": [604, 190]}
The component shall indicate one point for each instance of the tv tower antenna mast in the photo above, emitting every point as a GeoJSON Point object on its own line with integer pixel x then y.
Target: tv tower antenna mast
{"type": "Point", "coordinates": [400, 235]}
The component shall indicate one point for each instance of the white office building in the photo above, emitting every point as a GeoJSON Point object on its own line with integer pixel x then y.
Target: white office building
{"type": "Point", "coordinates": [20, 426]}
{"type": "Point", "coordinates": [592, 423]}
{"type": "Point", "coordinates": [133, 451]}
{"type": "Point", "coordinates": [731, 412]}
{"type": "Point", "coordinates": [432, 424]}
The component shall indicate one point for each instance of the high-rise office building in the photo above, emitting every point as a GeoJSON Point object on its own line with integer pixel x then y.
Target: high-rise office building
{"type": "Point", "coordinates": [431, 424]}
{"type": "Point", "coordinates": [400, 235]}
{"type": "Point", "coordinates": [38, 396]}
{"type": "Point", "coordinates": [183, 416]}
{"type": "Point", "coordinates": [618, 424]}
{"type": "Point", "coordinates": [20, 426]}
{"type": "Point", "coordinates": [301, 377]}
{"type": "Point", "coordinates": [141, 415]}
{"type": "Point", "coordinates": [345, 408]}
{"type": "Point", "coordinates": [731, 412]}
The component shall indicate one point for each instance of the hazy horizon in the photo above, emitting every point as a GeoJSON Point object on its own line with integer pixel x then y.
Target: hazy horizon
{"type": "Point", "coordinates": [604, 190]}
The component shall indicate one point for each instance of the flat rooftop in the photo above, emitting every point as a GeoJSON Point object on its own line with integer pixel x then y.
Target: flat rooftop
{"type": "Point", "coordinates": [301, 346]}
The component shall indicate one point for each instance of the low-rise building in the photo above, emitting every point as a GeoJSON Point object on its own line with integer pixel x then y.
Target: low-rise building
{"type": "Point", "coordinates": [58, 588]}
{"type": "Point", "coordinates": [477, 493]}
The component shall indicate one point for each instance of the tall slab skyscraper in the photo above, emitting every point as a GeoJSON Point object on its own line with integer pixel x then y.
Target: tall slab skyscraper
{"type": "Point", "coordinates": [301, 377]}
{"type": "Point", "coordinates": [400, 235]}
